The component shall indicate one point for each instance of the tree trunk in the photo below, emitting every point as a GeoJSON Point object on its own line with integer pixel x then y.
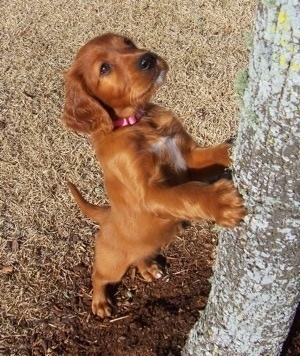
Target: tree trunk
{"type": "Point", "coordinates": [255, 287]}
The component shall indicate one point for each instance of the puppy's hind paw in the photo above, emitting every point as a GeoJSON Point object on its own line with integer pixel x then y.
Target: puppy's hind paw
{"type": "Point", "coordinates": [102, 309]}
{"type": "Point", "coordinates": [150, 272]}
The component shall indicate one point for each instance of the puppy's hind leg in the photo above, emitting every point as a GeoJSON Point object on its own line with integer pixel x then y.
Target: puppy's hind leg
{"type": "Point", "coordinates": [109, 267]}
{"type": "Point", "coordinates": [101, 304]}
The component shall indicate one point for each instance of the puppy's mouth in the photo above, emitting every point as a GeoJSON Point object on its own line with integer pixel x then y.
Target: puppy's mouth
{"type": "Point", "coordinates": [138, 96]}
{"type": "Point", "coordinates": [161, 72]}
{"type": "Point", "coordinates": [158, 79]}
{"type": "Point", "coordinates": [153, 72]}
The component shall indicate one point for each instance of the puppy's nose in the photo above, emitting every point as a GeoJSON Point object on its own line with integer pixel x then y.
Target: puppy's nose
{"type": "Point", "coordinates": [147, 61]}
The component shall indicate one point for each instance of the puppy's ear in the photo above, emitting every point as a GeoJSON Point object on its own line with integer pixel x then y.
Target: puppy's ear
{"type": "Point", "coordinates": [82, 112]}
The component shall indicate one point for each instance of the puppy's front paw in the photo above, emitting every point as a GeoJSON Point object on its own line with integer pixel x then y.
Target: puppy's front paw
{"type": "Point", "coordinates": [101, 307]}
{"type": "Point", "coordinates": [228, 205]}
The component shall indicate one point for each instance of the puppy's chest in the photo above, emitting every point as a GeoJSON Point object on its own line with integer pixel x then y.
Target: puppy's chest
{"type": "Point", "coordinates": [167, 151]}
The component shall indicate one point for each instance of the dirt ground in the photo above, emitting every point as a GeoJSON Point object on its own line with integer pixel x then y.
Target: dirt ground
{"type": "Point", "coordinates": [46, 245]}
{"type": "Point", "coordinates": [149, 319]}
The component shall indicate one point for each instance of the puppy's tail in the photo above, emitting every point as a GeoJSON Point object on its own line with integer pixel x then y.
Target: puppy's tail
{"type": "Point", "coordinates": [97, 213]}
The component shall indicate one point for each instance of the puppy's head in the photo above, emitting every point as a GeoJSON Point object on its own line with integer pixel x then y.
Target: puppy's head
{"type": "Point", "coordinates": [110, 78]}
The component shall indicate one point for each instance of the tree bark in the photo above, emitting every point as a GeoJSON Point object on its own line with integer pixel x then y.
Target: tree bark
{"type": "Point", "coordinates": [255, 287]}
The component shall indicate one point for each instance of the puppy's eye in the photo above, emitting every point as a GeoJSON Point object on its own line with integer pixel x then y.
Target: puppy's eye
{"type": "Point", "coordinates": [129, 43]}
{"type": "Point", "coordinates": [105, 68]}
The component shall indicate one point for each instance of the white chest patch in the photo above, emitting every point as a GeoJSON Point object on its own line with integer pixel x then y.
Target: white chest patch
{"type": "Point", "coordinates": [167, 145]}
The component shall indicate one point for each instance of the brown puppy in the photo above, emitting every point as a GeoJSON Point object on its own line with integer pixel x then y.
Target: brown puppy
{"type": "Point", "coordinates": [149, 162]}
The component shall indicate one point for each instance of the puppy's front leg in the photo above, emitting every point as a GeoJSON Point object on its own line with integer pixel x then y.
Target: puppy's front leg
{"type": "Point", "coordinates": [220, 202]}
{"type": "Point", "coordinates": [208, 156]}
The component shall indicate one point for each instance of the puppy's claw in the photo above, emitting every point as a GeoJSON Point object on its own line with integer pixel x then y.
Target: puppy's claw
{"type": "Point", "coordinates": [158, 274]}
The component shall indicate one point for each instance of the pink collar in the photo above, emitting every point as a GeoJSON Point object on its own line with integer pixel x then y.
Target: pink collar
{"type": "Point", "coordinates": [128, 121]}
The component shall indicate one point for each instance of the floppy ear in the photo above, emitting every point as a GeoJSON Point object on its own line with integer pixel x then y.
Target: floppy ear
{"type": "Point", "coordinates": [82, 112]}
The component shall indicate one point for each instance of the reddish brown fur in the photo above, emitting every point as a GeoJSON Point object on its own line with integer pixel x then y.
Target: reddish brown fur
{"type": "Point", "coordinates": [149, 168]}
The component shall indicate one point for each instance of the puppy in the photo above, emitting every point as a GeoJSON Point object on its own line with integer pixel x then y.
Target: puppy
{"type": "Point", "coordinates": [155, 174]}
